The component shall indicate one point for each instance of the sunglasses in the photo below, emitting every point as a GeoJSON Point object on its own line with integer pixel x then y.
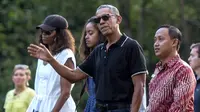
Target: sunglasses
{"type": "Point", "coordinates": [46, 32]}
{"type": "Point", "coordinates": [104, 17]}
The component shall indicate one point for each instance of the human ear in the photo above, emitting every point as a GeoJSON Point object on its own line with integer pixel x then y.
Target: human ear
{"type": "Point", "coordinates": [119, 19]}
{"type": "Point", "coordinates": [175, 42]}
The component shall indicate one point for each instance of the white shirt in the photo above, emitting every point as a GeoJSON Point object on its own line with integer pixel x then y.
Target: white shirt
{"type": "Point", "coordinates": [47, 86]}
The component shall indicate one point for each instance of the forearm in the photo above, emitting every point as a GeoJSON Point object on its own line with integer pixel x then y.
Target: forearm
{"type": "Point", "coordinates": [139, 84]}
{"type": "Point", "coordinates": [60, 102]}
{"type": "Point", "coordinates": [136, 100]}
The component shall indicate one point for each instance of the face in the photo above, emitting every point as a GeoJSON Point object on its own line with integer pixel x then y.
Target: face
{"type": "Point", "coordinates": [107, 22]}
{"type": "Point", "coordinates": [163, 44]}
{"type": "Point", "coordinates": [48, 36]}
{"type": "Point", "coordinates": [92, 35]}
{"type": "Point", "coordinates": [20, 78]}
{"type": "Point", "coordinates": [194, 60]}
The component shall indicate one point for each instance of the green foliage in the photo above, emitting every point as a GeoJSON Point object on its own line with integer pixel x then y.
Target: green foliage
{"type": "Point", "coordinates": [140, 21]}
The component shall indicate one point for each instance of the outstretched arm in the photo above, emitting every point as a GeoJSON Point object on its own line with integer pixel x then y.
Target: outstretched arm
{"type": "Point", "coordinates": [41, 52]}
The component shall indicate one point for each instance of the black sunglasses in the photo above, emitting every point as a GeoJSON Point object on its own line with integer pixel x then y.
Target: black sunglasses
{"type": "Point", "coordinates": [104, 17]}
{"type": "Point", "coordinates": [46, 32]}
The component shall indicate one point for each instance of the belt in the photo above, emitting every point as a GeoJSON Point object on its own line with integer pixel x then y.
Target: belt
{"type": "Point", "coordinates": [112, 106]}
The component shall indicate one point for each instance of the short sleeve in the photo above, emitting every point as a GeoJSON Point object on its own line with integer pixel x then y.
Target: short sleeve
{"type": "Point", "coordinates": [137, 62]}
{"type": "Point", "coordinates": [65, 55]}
{"type": "Point", "coordinates": [5, 103]}
{"type": "Point", "coordinates": [8, 96]}
{"type": "Point", "coordinates": [88, 65]}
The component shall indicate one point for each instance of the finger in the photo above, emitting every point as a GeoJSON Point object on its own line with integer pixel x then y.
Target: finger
{"type": "Point", "coordinates": [32, 49]}
{"type": "Point", "coordinates": [34, 46]}
{"type": "Point", "coordinates": [42, 46]}
{"type": "Point", "coordinates": [33, 55]}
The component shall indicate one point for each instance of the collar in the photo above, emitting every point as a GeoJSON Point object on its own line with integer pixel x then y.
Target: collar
{"type": "Point", "coordinates": [120, 42]}
{"type": "Point", "coordinates": [169, 64]}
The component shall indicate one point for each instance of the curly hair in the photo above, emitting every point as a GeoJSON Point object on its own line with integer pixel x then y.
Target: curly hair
{"type": "Point", "coordinates": [84, 50]}
{"type": "Point", "coordinates": [64, 39]}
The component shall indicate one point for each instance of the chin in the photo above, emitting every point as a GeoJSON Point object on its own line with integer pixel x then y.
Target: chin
{"type": "Point", "coordinates": [107, 33]}
{"type": "Point", "coordinates": [45, 42]}
{"type": "Point", "coordinates": [157, 55]}
{"type": "Point", "coordinates": [18, 85]}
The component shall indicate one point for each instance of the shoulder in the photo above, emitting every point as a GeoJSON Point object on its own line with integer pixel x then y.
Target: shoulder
{"type": "Point", "coordinates": [183, 68]}
{"type": "Point", "coordinates": [184, 65]}
{"type": "Point", "coordinates": [131, 43]}
{"type": "Point", "coordinates": [66, 51]}
{"type": "Point", "coordinates": [30, 91]}
{"type": "Point", "coordinates": [10, 92]}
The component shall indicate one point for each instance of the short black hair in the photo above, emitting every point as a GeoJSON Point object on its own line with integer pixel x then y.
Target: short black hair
{"type": "Point", "coordinates": [174, 33]}
{"type": "Point", "coordinates": [196, 45]}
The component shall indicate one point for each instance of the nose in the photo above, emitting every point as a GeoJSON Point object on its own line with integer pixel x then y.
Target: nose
{"type": "Point", "coordinates": [102, 21]}
{"type": "Point", "coordinates": [86, 36]}
{"type": "Point", "coordinates": [43, 33]}
{"type": "Point", "coordinates": [189, 59]}
{"type": "Point", "coordinates": [156, 44]}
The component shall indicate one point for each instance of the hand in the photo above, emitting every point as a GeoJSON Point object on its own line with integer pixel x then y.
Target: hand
{"type": "Point", "coordinates": [40, 52]}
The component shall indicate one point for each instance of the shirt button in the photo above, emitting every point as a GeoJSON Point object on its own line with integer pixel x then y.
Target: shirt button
{"type": "Point", "coordinates": [104, 56]}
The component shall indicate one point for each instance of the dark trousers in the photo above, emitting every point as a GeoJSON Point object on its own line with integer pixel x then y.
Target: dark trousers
{"type": "Point", "coordinates": [114, 107]}
{"type": "Point", "coordinates": [117, 110]}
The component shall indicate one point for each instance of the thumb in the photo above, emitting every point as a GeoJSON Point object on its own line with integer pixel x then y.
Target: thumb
{"type": "Point", "coordinates": [43, 46]}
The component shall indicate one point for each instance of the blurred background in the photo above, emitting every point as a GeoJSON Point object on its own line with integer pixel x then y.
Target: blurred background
{"type": "Point", "coordinates": [18, 19]}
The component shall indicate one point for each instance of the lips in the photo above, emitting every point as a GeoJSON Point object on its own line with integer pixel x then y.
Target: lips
{"type": "Point", "coordinates": [87, 41]}
{"type": "Point", "coordinates": [44, 38]}
{"type": "Point", "coordinates": [156, 49]}
{"type": "Point", "coordinates": [17, 81]}
{"type": "Point", "coordinates": [103, 27]}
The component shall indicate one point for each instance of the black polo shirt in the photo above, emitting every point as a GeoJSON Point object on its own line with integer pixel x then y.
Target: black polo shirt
{"type": "Point", "coordinates": [112, 69]}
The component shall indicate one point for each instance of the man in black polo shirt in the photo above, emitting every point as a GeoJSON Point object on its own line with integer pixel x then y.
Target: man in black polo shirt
{"type": "Point", "coordinates": [118, 66]}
